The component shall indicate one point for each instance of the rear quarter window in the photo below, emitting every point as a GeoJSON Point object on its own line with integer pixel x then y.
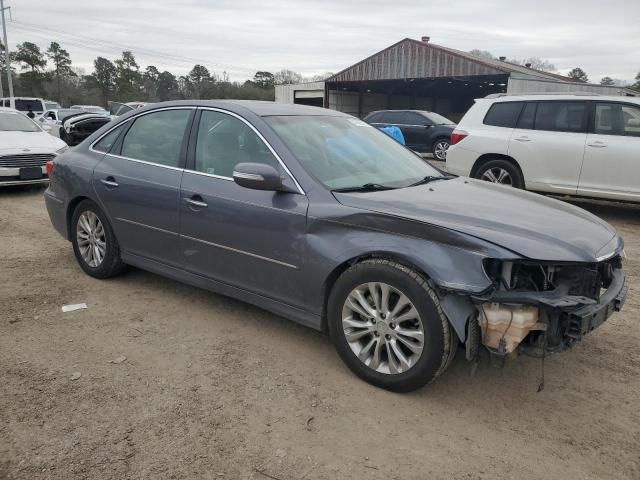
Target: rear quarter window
{"type": "Point", "coordinates": [503, 114]}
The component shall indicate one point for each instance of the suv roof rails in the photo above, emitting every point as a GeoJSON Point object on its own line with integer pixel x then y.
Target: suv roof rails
{"type": "Point", "coordinates": [578, 94]}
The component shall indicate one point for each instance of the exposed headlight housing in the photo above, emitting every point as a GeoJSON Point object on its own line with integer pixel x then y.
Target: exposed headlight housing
{"type": "Point", "coordinates": [60, 151]}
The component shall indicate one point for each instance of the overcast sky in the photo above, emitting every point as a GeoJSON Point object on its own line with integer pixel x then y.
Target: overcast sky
{"type": "Point", "coordinates": [312, 37]}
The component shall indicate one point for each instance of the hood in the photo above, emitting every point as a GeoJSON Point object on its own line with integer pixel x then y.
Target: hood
{"type": "Point", "coordinates": [12, 143]}
{"type": "Point", "coordinates": [531, 225]}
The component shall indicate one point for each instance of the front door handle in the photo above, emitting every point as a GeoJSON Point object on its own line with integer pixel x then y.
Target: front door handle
{"type": "Point", "coordinates": [110, 182]}
{"type": "Point", "coordinates": [196, 201]}
{"type": "Point", "coordinates": [523, 139]}
{"type": "Point", "coordinates": [597, 144]}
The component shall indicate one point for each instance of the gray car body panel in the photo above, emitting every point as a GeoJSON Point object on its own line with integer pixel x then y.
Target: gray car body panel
{"type": "Point", "coordinates": [281, 251]}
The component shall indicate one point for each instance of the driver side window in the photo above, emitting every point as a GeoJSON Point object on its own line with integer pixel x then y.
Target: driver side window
{"type": "Point", "coordinates": [224, 141]}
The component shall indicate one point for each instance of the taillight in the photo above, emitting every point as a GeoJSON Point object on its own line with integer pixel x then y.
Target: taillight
{"type": "Point", "coordinates": [50, 166]}
{"type": "Point", "coordinates": [457, 136]}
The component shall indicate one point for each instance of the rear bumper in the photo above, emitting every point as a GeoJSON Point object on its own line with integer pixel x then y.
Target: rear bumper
{"type": "Point", "coordinates": [57, 213]}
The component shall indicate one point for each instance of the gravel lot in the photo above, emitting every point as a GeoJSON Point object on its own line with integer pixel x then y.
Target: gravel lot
{"type": "Point", "coordinates": [212, 388]}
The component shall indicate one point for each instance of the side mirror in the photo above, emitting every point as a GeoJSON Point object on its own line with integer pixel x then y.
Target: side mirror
{"type": "Point", "coordinates": [257, 176]}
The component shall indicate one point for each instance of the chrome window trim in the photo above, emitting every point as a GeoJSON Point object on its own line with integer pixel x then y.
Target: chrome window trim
{"type": "Point", "coordinates": [205, 174]}
{"type": "Point", "coordinates": [134, 117]}
{"type": "Point", "coordinates": [254, 255]}
{"type": "Point", "coordinates": [144, 162]}
{"type": "Point", "coordinates": [261, 137]}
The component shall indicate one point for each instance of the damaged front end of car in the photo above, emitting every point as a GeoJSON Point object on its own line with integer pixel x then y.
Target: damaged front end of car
{"type": "Point", "coordinates": [539, 308]}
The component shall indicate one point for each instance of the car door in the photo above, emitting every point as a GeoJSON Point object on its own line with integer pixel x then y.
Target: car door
{"type": "Point", "coordinates": [138, 183]}
{"type": "Point", "coordinates": [417, 131]}
{"type": "Point", "coordinates": [611, 167]}
{"type": "Point", "coordinates": [251, 239]}
{"type": "Point", "coordinates": [548, 144]}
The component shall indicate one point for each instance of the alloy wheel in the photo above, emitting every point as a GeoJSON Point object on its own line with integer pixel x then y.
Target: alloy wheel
{"type": "Point", "coordinates": [383, 328]}
{"type": "Point", "coordinates": [91, 238]}
{"type": "Point", "coordinates": [440, 150]}
{"type": "Point", "coordinates": [497, 175]}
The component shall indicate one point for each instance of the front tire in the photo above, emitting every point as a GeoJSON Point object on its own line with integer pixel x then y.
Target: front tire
{"type": "Point", "coordinates": [94, 243]}
{"type": "Point", "coordinates": [388, 327]}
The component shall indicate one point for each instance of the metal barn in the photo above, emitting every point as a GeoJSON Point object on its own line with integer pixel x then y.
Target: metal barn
{"type": "Point", "coordinates": [420, 75]}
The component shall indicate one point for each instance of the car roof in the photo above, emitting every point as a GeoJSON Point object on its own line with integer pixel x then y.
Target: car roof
{"type": "Point", "coordinates": [257, 107]}
{"type": "Point", "coordinates": [564, 96]}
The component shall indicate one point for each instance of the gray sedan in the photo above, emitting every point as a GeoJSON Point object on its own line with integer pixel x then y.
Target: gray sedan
{"type": "Point", "coordinates": [319, 217]}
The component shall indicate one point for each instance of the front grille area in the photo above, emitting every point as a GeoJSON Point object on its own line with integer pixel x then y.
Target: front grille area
{"type": "Point", "coordinates": [26, 160]}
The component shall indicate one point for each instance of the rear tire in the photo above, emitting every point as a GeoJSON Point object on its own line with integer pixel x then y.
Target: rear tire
{"type": "Point", "coordinates": [439, 149]}
{"type": "Point", "coordinates": [502, 172]}
{"type": "Point", "coordinates": [437, 346]}
{"type": "Point", "coordinates": [94, 243]}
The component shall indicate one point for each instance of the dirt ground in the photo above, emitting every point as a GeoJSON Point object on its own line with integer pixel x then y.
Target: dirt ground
{"type": "Point", "coordinates": [212, 388]}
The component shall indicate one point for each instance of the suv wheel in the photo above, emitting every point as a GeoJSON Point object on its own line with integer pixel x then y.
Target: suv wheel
{"type": "Point", "coordinates": [440, 149]}
{"type": "Point", "coordinates": [388, 327]}
{"type": "Point", "coordinates": [94, 243]}
{"type": "Point", "coordinates": [502, 172]}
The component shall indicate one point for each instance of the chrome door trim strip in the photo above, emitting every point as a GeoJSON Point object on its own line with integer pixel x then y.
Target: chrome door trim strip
{"type": "Point", "coordinates": [255, 130]}
{"type": "Point", "coordinates": [144, 225]}
{"type": "Point", "coordinates": [254, 255]}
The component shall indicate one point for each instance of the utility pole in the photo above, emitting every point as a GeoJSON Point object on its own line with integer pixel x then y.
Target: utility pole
{"type": "Point", "coordinates": [12, 100]}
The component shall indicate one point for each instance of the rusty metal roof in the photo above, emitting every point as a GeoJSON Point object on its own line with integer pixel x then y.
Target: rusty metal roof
{"type": "Point", "coordinates": [413, 59]}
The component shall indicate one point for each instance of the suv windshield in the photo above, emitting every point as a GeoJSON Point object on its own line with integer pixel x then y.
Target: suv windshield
{"type": "Point", "coordinates": [16, 122]}
{"type": "Point", "coordinates": [347, 153]}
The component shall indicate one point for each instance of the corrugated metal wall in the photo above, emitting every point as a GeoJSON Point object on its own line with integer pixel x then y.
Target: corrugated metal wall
{"type": "Point", "coordinates": [287, 93]}
{"type": "Point", "coordinates": [522, 85]}
{"type": "Point", "coordinates": [410, 59]}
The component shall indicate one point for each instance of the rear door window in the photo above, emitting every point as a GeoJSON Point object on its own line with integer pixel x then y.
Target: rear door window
{"type": "Point", "coordinates": [527, 117]}
{"type": "Point", "coordinates": [157, 137]}
{"type": "Point", "coordinates": [561, 116]}
{"type": "Point", "coordinates": [396, 118]}
{"type": "Point", "coordinates": [106, 142]}
{"type": "Point", "coordinates": [503, 114]}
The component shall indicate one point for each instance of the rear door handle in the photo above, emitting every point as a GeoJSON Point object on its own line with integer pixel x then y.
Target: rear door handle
{"type": "Point", "coordinates": [523, 139]}
{"type": "Point", "coordinates": [110, 182]}
{"type": "Point", "coordinates": [196, 201]}
{"type": "Point", "coordinates": [597, 144]}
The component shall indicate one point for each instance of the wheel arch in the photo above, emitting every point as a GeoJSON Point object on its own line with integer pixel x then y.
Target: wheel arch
{"type": "Point", "coordinates": [333, 276]}
{"type": "Point", "coordinates": [487, 157]}
{"type": "Point", "coordinates": [71, 207]}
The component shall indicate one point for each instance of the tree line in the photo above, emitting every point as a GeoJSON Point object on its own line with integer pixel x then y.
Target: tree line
{"type": "Point", "coordinates": [50, 74]}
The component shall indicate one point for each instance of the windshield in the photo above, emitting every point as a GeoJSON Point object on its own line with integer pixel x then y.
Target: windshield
{"type": "Point", "coordinates": [17, 122]}
{"type": "Point", "coordinates": [343, 152]}
{"type": "Point", "coordinates": [438, 119]}
{"type": "Point", "coordinates": [118, 109]}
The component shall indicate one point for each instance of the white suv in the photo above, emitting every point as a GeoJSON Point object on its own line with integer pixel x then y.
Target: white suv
{"type": "Point", "coordinates": [568, 144]}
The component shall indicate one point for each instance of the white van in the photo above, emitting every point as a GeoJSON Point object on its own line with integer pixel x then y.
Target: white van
{"type": "Point", "coordinates": [572, 144]}
{"type": "Point", "coordinates": [23, 104]}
